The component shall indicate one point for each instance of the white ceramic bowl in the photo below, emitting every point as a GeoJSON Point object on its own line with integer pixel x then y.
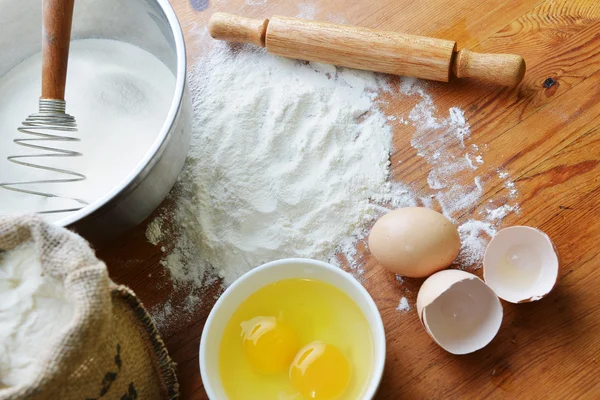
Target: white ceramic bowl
{"type": "Point", "coordinates": [273, 272]}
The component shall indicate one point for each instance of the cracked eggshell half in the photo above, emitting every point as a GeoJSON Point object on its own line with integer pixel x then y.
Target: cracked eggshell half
{"type": "Point", "coordinates": [521, 264]}
{"type": "Point", "coordinates": [459, 311]}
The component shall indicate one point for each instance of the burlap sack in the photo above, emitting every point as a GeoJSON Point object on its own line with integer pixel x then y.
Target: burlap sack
{"type": "Point", "coordinates": [111, 349]}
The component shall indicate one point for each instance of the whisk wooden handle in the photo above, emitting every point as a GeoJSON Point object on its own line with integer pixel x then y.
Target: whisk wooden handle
{"type": "Point", "coordinates": [56, 37]}
{"type": "Point", "coordinates": [368, 49]}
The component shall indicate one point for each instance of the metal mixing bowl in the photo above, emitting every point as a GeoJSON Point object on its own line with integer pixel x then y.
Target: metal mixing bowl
{"type": "Point", "coordinates": [153, 26]}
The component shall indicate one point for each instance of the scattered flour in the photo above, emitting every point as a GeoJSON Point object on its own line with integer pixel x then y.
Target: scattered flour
{"type": "Point", "coordinates": [441, 143]}
{"type": "Point", "coordinates": [403, 306]}
{"type": "Point", "coordinates": [474, 236]}
{"type": "Point", "coordinates": [497, 214]}
{"type": "Point", "coordinates": [300, 168]}
{"type": "Point", "coordinates": [33, 310]}
{"type": "Point", "coordinates": [288, 172]}
{"type": "Point", "coordinates": [306, 11]}
{"type": "Point", "coordinates": [154, 232]}
{"type": "Point", "coordinates": [163, 314]}
{"type": "Point", "coordinates": [508, 183]}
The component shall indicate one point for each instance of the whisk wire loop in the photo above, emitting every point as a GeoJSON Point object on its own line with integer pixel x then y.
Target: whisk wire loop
{"type": "Point", "coordinates": [48, 125]}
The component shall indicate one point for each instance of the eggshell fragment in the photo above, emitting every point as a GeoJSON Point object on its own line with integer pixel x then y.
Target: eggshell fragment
{"type": "Point", "coordinates": [520, 264]}
{"type": "Point", "coordinates": [459, 311]}
{"type": "Point", "coordinates": [414, 241]}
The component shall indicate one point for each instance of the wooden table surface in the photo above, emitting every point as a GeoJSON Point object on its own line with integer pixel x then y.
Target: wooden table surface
{"type": "Point", "coordinates": [544, 133]}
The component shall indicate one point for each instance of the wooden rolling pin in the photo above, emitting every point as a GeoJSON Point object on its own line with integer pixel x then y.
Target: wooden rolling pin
{"type": "Point", "coordinates": [368, 49]}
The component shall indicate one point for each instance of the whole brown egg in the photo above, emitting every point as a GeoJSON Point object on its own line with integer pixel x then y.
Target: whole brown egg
{"type": "Point", "coordinates": [414, 241]}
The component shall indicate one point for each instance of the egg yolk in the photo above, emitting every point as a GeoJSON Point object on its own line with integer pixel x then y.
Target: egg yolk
{"type": "Point", "coordinates": [269, 345]}
{"type": "Point", "coordinates": [320, 371]}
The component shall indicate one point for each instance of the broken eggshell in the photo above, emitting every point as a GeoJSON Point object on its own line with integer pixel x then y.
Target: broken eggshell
{"type": "Point", "coordinates": [520, 264]}
{"type": "Point", "coordinates": [459, 311]}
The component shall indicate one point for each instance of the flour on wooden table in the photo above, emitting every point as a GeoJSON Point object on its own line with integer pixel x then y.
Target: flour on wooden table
{"type": "Point", "coordinates": [291, 159]}
{"type": "Point", "coordinates": [446, 151]}
{"type": "Point", "coordinates": [285, 158]}
{"type": "Point", "coordinates": [154, 232]}
{"type": "Point", "coordinates": [306, 11]}
{"type": "Point", "coordinates": [403, 306]}
{"type": "Point", "coordinates": [442, 143]}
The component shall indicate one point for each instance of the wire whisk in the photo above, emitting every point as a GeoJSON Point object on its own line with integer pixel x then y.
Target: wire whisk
{"type": "Point", "coordinates": [45, 126]}
{"type": "Point", "coordinates": [51, 123]}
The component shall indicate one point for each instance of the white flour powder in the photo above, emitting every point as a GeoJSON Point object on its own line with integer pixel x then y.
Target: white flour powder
{"type": "Point", "coordinates": [33, 310]}
{"type": "Point", "coordinates": [403, 305]}
{"type": "Point", "coordinates": [291, 159]}
{"type": "Point", "coordinates": [284, 159]}
{"type": "Point", "coordinates": [441, 142]}
{"type": "Point", "coordinates": [119, 95]}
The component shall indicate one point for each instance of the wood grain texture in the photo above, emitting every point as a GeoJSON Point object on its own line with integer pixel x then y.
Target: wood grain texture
{"type": "Point", "coordinates": [56, 38]}
{"type": "Point", "coordinates": [544, 133]}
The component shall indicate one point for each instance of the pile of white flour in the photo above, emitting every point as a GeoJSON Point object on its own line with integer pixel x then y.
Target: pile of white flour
{"type": "Point", "coordinates": [33, 311]}
{"type": "Point", "coordinates": [284, 161]}
{"type": "Point", "coordinates": [291, 159]}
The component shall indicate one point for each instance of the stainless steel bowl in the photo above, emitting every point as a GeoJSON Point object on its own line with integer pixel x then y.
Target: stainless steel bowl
{"type": "Point", "coordinates": [153, 26]}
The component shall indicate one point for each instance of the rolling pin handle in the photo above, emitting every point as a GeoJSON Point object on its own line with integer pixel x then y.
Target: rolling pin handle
{"type": "Point", "coordinates": [232, 28]}
{"type": "Point", "coordinates": [500, 69]}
